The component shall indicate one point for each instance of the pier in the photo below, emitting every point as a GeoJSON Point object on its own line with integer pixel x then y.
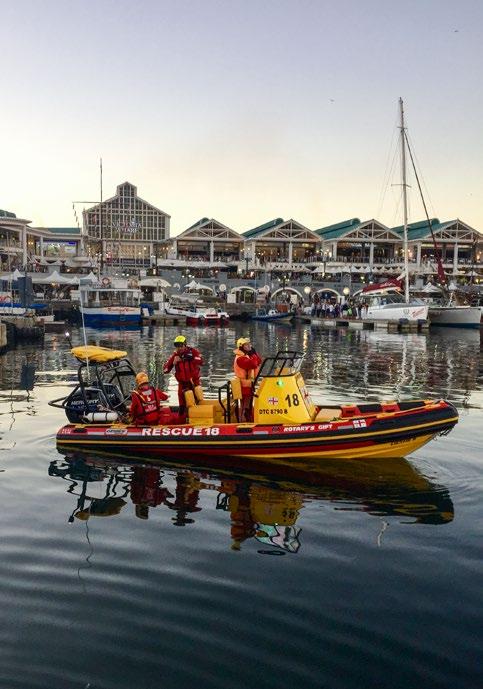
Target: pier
{"type": "Point", "coordinates": [402, 325]}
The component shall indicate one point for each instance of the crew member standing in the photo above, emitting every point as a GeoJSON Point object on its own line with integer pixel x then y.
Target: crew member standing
{"type": "Point", "coordinates": [186, 361]}
{"type": "Point", "coordinates": [146, 402]}
{"type": "Point", "coordinates": [246, 366]}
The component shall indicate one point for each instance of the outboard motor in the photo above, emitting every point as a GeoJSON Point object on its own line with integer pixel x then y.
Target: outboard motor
{"type": "Point", "coordinates": [85, 405]}
{"type": "Point", "coordinates": [114, 397]}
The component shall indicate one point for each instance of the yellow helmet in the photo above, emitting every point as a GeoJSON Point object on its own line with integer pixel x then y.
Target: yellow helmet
{"type": "Point", "coordinates": [142, 377]}
{"type": "Point", "coordinates": [242, 341]}
{"type": "Point", "coordinates": [180, 339]}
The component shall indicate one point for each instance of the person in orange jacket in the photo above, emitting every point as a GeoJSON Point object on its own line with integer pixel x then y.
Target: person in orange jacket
{"type": "Point", "coordinates": [186, 361]}
{"type": "Point", "coordinates": [246, 366]}
{"type": "Point", "coordinates": [146, 402]}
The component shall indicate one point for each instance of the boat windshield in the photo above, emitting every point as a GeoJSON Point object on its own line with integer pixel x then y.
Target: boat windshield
{"type": "Point", "coordinates": [111, 297]}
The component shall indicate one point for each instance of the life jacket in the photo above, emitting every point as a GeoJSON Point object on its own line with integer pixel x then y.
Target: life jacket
{"type": "Point", "coordinates": [148, 399]}
{"type": "Point", "coordinates": [246, 377]}
{"type": "Point", "coordinates": [188, 370]}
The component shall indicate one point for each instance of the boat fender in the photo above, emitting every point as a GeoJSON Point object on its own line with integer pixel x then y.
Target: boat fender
{"type": "Point", "coordinates": [198, 393]}
{"type": "Point", "coordinates": [102, 416]}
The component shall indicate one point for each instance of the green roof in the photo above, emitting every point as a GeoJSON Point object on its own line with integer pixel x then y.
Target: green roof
{"type": "Point", "coordinates": [197, 224]}
{"type": "Point", "coordinates": [262, 228]}
{"type": "Point", "coordinates": [419, 229]}
{"type": "Point", "coordinates": [64, 230]}
{"type": "Point", "coordinates": [7, 214]}
{"type": "Point", "coordinates": [339, 229]}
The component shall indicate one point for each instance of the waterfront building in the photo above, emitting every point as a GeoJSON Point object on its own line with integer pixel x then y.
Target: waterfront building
{"type": "Point", "coordinates": [210, 241]}
{"type": "Point", "coordinates": [373, 248]}
{"type": "Point", "coordinates": [459, 246]}
{"type": "Point", "coordinates": [280, 242]}
{"type": "Point", "coordinates": [366, 243]}
{"type": "Point", "coordinates": [36, 248]}
{"type": "Point", "coordinates": [12, 240]}
{"type": "Point", "coordinates": [125, 232]}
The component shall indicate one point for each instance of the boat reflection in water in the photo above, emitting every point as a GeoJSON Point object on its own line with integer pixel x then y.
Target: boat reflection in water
{"type": "Point", "coordinates": [264, 507]}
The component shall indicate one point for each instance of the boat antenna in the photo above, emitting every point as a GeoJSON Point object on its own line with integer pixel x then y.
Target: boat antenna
{"type": "Point", "coordinates": [439, 262]}
{"type": "Point", "coordinates": [405, 201]}
{"type": "Point", "coordinates": [83, 326]}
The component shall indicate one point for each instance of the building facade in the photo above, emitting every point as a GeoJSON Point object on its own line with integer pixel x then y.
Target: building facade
{"type": "Point", "coordinates": [125, 231]}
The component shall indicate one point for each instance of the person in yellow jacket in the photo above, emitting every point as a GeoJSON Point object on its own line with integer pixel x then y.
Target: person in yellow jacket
{"type": "Point", "coordinates": [246, 366]}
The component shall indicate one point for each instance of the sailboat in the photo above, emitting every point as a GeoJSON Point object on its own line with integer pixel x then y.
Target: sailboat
{"type": "Point", "coordinates": [389, 301]}
{"type": "Point", "coordinates": [444, 309]}
{"type": "Point", "coordinates": [449, 310]}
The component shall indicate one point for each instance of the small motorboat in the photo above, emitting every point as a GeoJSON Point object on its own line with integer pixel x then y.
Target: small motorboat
{"type": "Point", "coordinates": [272, 315]}
{"type": "Point", "coordinates": [286, 425]}
{"type": "Point", "coordinates": [196, 313]}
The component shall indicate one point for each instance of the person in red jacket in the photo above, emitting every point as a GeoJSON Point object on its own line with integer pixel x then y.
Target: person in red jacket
{"type": "Point", "coordinates": [146, 402]}
{"type": "Point", "coordinates": [186, 361]}
{"type": "Point", "coordinates": [246, 366]}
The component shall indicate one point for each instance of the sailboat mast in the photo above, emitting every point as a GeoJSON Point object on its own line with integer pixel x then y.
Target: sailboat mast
{"type": "Point", "coordinates": [101, 229]}
{"type": "Point", "coordinates": [405, 201]}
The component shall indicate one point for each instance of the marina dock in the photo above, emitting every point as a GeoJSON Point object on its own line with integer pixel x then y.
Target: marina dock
{"type": "Point", "coordinates": [401, 325]}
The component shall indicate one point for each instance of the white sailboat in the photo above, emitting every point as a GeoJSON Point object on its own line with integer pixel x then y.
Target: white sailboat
{"type": "Point", "coordinates": [387, 301]}
{"type": "Point", "coordinates": [445, 311]}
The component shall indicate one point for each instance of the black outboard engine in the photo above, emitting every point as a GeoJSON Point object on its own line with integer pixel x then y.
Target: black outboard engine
{"type": "Point", "coordinates": [114, 397]}
{"type": "Point", "coordinates": [82, 402]}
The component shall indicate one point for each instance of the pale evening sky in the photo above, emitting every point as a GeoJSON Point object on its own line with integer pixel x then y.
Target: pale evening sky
{"type": "Point", "coordinates": [241, 110]}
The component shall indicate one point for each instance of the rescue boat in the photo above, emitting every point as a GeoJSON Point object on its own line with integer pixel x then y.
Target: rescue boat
{"type": "Point", "coordinates": [286, 423]}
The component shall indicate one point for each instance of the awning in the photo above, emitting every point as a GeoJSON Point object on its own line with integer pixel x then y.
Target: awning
{"type": "Point", "coordinates": [154, 282]}
{"type": "Point", "coordinates": [53, 278]}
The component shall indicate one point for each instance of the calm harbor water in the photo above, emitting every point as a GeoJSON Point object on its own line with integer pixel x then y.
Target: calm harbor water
{"type": "Point", "coordinates": [119, 574]}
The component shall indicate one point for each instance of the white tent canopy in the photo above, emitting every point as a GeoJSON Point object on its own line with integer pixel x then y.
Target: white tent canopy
{"type": "Point", "coordinates": [12, 276]}
{"type": "Point", "coordinates": [53, 278]}
{"type": "Point", "coordinates": [154, 282]}
{"type": "Point", "coordinates": [197, 286]}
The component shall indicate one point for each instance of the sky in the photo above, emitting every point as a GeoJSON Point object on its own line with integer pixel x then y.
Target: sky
{"type": "Point", "coordinates": [241, 110]}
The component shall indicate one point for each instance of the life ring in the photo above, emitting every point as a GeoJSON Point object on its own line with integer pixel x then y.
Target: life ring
{"type": "Point", "coordinates": [106, 282]}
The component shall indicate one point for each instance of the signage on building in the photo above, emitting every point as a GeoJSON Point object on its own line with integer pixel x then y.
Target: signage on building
{"type": "Point", "coordinates": [128, 226]}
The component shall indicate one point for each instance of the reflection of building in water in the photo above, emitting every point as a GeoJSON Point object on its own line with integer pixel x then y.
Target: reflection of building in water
{"type": "Point", "coordinates": [261, 509]}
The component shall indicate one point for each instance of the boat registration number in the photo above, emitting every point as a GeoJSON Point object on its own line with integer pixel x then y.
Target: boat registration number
{"type": "Point", "coordinates": [180, 431]}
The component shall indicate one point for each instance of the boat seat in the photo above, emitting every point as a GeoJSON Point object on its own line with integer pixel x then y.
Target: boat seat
{"type": "Point", "coordinates": [326, 414]}
{"type": "Point", "coordinates": [193, 397]}
{"type": "Point", "coordinates": [218, 414]}
{"type": "Point", "coordinates": [189, 398]}
{"type": "Point", "coordinates": [201, 415]}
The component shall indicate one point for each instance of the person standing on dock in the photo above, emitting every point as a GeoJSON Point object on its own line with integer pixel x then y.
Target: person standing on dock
{"type": "Point", "coordinates": [246, 366]}
{"type": "Point", "coordinates": [186, 361]}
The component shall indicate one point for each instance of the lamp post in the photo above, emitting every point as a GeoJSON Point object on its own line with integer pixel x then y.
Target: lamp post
{"type": "Point", "coordinates": [307, 291]}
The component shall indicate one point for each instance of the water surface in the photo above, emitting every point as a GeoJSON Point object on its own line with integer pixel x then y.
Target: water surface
{"type": "Point", "coordinates": [120, 574]}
